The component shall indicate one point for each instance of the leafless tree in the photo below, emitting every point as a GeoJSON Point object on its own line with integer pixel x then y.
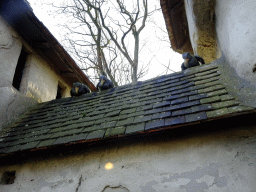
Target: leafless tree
{"type": "Point", "coordinates": [105, 36]}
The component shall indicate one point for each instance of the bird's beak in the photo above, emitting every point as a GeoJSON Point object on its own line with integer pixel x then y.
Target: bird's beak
{"type": "Point", "coordinates": [102, 81]}
{"type": "Point", "coordinates": [76, 89]}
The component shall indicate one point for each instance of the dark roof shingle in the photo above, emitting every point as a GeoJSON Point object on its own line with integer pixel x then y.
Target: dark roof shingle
{"type": "Point", "coordinates": [178, 99]}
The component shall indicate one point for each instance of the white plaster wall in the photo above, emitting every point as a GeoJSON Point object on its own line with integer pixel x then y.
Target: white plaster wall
{"type": "Point", "coordinates": [10, 48]}
{"type": "Point", "coordinates": [12, 104]}
{"type": "Point", "coordinates": [235, 27]}
{"type": "Point", "coordinates": [40, 80]}
{"type": "Point", "coordinates": [223, 162]}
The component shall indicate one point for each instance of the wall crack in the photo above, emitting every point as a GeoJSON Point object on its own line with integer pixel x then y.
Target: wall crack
{"type": "Point", "coordinates": [79, 183]}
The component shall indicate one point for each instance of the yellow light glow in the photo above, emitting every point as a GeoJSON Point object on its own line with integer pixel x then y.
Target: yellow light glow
{"type": "Point", "coordinates": [109, 166]}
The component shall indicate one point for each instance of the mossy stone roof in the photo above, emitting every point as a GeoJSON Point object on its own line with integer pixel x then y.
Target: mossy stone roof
{"type": "Point", "coordinates": [165, 102]}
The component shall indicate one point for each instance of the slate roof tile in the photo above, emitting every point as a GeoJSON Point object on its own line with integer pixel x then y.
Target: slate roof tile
{"type": "Point", "coordinates": [63, 140]}
{"type": "Point", "coordinates": [140, 119]}
{"type": "Point", "coordinates": [99, 134]}
{"type": "Point", "coordinates": [175, 120]}
{"type": "Point", "coordinates": [153, 111]}
{"type": "Point", "coordinates": [91, 128]}
{"type": "Point", "coordinates": [78, 137]}
{"type": "Point", "coordinates": [204, 107]}
{"type": "Point", "coordinates": [180, 100]}
{"type": "Point", "coordinates": [189, 104]}
{"type": "Point", "coordinates": [206, 79]}
{"type": "Point", "coordinates": [173, 107]}
{"type": "Point", "coordinates": [224, 104]}
{"type": "Point", "coordinates": [239, 108]}
{"type": "Point", "coordinates": [190, 93]}
{"type": "Point", "coordinates": [204, 86]}
{"type": "Point", "coordinates": [219, 112]}
{"type": "Point", "coordinates": [121, 117]}
{"type": "Point", "coordinates": [13, 149]}
{"type": "Point", "coordinates": [64, 133]}
{"type": "Point", "coordinates": [113, 113]}
{"type": "Point", "coordinates": [6, 144]}
{"type": "Point", "coordinates": [125, 122]}
{"type": "Point", "coordinates": [211, 89]}
{"type": "Point", "coordinates": [181, 112]}
{"type": "Point", "coordinates": [199, 96]}
{"type": "Point", "coordinates": [210, 100]}
{"type": "Point", "coordinates": [144, 107]}
{"type": "Point", "coordinates": [161, 115]}
{"type": "Point", "coordinates": [226, 97]}
{"type": "Point", "coordinates": [46, 143]}
{"type": "Point", "coordinates": [127, 111]}
{"type": "Point", "coordinates": [162, 104]}
{"type": "Point", "coordinates": [214, 70]}
{"type": "Point", "coordinates": [58, 129]}
{"type": "Point", "coordinates": [194, 95]}
{"type": "Point", "coordinates": [219, 92]}
{"type": "Point", "coordinates": [29, 145]}
{"type": "Point", "coordinates": [139, 113]}
{"type": "Point", "coordinates": [4, 150]}
{"type": "Point", "coordinates": [85, 124]}
{"type": "Point", "coordinates": [108, 124]}
{"type": "Point", "coordinates": [182, 91]}
{"type": "Point", "coordinates": [115, 131]}
{"type": "Point", "coordinates": [195, 117]}
{"type": "Point", "coordinates": [172, 97]}
{"type": "Point", "coordinates": [135, 128]}
{"type": "Point", "coordinates": [154, 124]}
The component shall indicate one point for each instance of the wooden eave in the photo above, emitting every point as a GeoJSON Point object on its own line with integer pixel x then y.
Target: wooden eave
{"type": "Point", "coordinates": [176, 25]}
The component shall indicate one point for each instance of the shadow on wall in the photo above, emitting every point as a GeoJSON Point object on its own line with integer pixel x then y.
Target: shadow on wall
{"type": "Point", "coordinates": [12, 105]}
{"type": "Point", "coordinates": [119, 188]}
{"type": "Point", "coordinates": [238, 87]}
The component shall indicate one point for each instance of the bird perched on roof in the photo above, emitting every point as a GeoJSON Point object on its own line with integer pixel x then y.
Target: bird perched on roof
{"type": "Point", "coordinates": [79, 89]}
{"type": "Point", "coordinates": [104, 83]}
{"type": "Point", "coordinates": [191, 61]}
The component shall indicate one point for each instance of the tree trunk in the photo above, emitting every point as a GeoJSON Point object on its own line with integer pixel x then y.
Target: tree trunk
{"type": "Point", "coordinates": [136, 58]}
{"type": "Point", "coordinates": [99, 53]}
{"type": "Point", "coordinates": [107, 69]}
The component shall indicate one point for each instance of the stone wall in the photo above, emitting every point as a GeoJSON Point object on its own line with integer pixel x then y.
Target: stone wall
{"type": "Point", "coordinates": [201, 22]}
{"type": "Point", "coordinates": [209, 162]}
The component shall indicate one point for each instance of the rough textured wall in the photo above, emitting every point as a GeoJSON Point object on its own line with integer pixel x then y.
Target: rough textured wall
{"type": "Point", "coordinates": [12, 104]}
{"type": "Point", "coordinates": [40, 80]}
{"type": "Point", "coordinates": [201, 22]}
{"type": "Point", "coordinates": [235, 25]}
{"type": "Point", "coordinates": [220, 161]}
{"type": "Point", "coordinates": [10, 98]}
{"type": "Point", "coordinates": [10, 48]}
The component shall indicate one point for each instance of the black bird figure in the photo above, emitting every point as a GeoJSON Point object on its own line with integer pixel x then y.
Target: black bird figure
{"type": "Point", "coordinates": [191, 61]}
{"type": "Point", "coordinates": [104, 84]}
{"type": "Point", "coordinates": [78, 89]}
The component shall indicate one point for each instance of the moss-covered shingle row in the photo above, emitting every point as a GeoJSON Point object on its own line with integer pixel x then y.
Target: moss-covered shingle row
{"type": "Point", "coordinates": [180, 98]}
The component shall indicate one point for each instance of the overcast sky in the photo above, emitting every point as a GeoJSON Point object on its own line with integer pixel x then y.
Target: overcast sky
{"type": "Point", "coordinates": [162, 51]}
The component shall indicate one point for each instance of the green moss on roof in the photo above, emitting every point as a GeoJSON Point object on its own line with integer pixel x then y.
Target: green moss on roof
{"type": "Point", "coordinates": [177, 99]}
